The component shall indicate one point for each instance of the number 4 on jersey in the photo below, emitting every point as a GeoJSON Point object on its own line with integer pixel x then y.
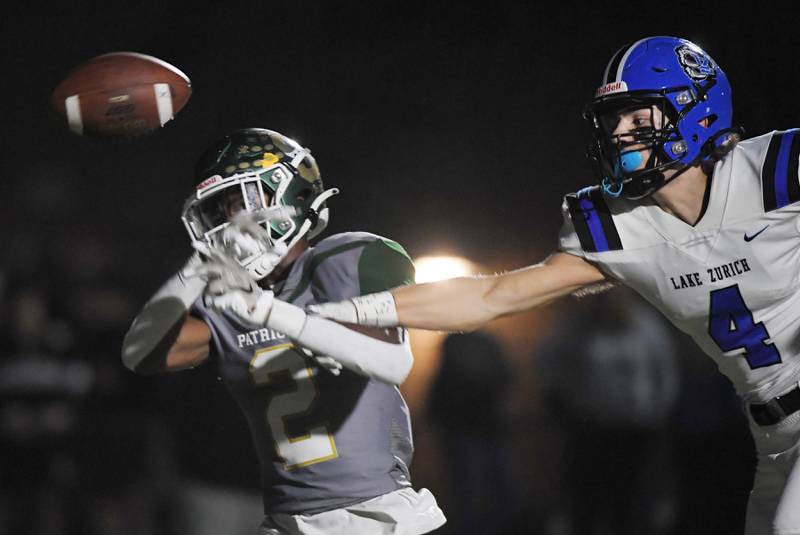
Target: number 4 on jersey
{"type": "Point", "coordinates": [732, 327]}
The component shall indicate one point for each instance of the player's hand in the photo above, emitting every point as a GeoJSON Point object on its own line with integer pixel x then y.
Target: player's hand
{"type": "Point", "coordinates": [229, 287]}
{"type": "Point", "coordinates": [247, 240]}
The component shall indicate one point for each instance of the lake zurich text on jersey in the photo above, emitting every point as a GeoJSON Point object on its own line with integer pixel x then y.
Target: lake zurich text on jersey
{"type": "Point", "coordinates": [713, 274]}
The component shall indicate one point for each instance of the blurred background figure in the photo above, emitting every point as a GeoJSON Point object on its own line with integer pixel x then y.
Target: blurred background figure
{"type": "Point", "coordinates": [72, 458]}
{"type": "Point", "coordinates": [609, 375]}
{"type": "Point", "coordinates": [75, 457]}
{"type": "Point", "coordinates": [41, 399]}
{"type": "Point", "coordinates": [468, 407]}
{"type": "Point", "coordinates": [714, 447]}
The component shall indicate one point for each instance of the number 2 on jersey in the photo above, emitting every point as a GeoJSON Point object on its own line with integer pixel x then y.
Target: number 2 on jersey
{"type": "Point", "coordinates": [317, 444]}
{"type": "Point", "coordinates": [731, 326]}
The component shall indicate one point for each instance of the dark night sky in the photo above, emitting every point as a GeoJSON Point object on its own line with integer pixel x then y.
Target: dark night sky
{"type": "Point", "coordinates": [445, 126]}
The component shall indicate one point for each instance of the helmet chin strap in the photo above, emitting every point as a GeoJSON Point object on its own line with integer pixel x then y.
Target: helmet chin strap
{"type": "Point", "coordinates": [306, 226]}
{"type": "Point", "coordinates": [612, 189]}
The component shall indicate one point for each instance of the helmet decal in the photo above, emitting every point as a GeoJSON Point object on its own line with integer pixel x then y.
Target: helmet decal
{"type": "Point", "coordinates": [209, 182]}
{"type": "Point", "coordinates": [266, 160]}
{"type": "Point", "coordinates": [612, 87]}
{"type": "Point", "coordinates": [696, 64]}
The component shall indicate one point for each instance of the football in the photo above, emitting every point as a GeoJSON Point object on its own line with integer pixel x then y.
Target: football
{"type": "Point", "coordinates": [121, 94]}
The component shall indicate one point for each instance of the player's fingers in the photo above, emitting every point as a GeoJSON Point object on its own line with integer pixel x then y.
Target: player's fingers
{"type": "Point", "coordinates": [210, 255]}
{"type": "Point", "coordinates": [330, 364]}
{"type": "Point", "coordinates": [273, 213]}
{"type": "Point", "coordinates": [244, 245]}
{"type": "Point", "coordinates": [218, 287]}
{"type": "Point", "coordinates": [207, 271]}
{"type": "Point", "coordinates": [255, 222]}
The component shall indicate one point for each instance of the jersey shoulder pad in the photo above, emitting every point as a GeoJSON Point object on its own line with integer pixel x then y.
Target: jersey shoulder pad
{"type": "Point", "coordinates": [358, 263]}
{"type": "Point", "coordinates": [779, 177]}
{"type": "Point", "coordinates": [335, 241]}
{"type": "Point", "coordinates": [592, 220]}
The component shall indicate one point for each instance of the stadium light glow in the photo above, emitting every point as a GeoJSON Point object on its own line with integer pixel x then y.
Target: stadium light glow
{"type": "Point", "coordinates": [434, 268]}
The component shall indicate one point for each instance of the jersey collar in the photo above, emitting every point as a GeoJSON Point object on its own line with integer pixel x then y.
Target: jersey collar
{"type": "Point", "coordinates": [697, 240]}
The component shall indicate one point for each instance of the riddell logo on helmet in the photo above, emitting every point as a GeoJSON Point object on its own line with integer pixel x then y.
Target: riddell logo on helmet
{"type": "Point", "coordinates": [209, 181]}
{"type": "Point", "coordinates": [613, 87]}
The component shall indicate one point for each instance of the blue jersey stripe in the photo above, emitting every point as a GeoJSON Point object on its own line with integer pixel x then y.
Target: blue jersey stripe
{"type": "Point", "coordinates": [593, 222]}
{"type": "Point", "coordinates": [781, 170]}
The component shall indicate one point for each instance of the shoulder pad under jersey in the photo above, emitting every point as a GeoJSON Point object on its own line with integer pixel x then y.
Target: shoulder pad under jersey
{"type": "Point", "coordinates": [779, 178]}
{"type": "Point", "coordinates": [593, 221]}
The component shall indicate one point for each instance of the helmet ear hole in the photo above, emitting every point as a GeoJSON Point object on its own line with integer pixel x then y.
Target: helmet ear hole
{"type": "Point", "coordinates": [706, 122]}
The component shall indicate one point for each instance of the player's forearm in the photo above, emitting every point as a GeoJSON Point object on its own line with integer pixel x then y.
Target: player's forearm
{"type": "Point", "coordinates": [451, 305]}
{"type": "Point", "coordinates": [385, 361]}
{"type": "Point", "coordinates": [528, 288]}
{"type": "Point", "coordinates": [156, 330]}
{"type": "Point", "coordinates": [467, 303]}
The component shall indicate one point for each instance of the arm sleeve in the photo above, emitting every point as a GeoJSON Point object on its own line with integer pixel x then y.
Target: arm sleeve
{"type": "Point", "coordinates": [160, 317]}
{"type": "Point", "coordinates": [358, 352]}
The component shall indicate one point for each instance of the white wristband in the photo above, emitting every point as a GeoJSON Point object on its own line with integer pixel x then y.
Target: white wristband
{"type": "Point", "coordinates": [377, 310]}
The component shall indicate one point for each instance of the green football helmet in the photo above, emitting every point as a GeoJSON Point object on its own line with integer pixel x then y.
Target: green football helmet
{"type": "Point", "coordinates": [244, 166]}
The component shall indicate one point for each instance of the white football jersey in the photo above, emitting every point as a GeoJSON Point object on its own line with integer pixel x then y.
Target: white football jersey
{"type": "Point", "coordinates": [732, 281]}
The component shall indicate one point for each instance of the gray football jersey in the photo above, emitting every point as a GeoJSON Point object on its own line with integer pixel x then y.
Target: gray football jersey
{"type": "Point", "coordinates": [732, 281]}
{"type": "Point", "coordinates": [324, 441]}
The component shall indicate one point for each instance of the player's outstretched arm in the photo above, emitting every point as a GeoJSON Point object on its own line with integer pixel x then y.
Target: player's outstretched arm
{"type": "Point", "coordinates": [466, 303]}
{"type": "Point", "coordinates": [163, 336]}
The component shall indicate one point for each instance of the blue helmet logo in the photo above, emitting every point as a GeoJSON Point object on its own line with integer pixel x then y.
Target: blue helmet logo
{"type": "Point", "coordinates": [695, 63]}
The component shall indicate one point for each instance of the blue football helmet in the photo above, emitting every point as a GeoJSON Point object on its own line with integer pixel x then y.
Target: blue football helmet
{"type": "Point", "coordinates": [693, 95]}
